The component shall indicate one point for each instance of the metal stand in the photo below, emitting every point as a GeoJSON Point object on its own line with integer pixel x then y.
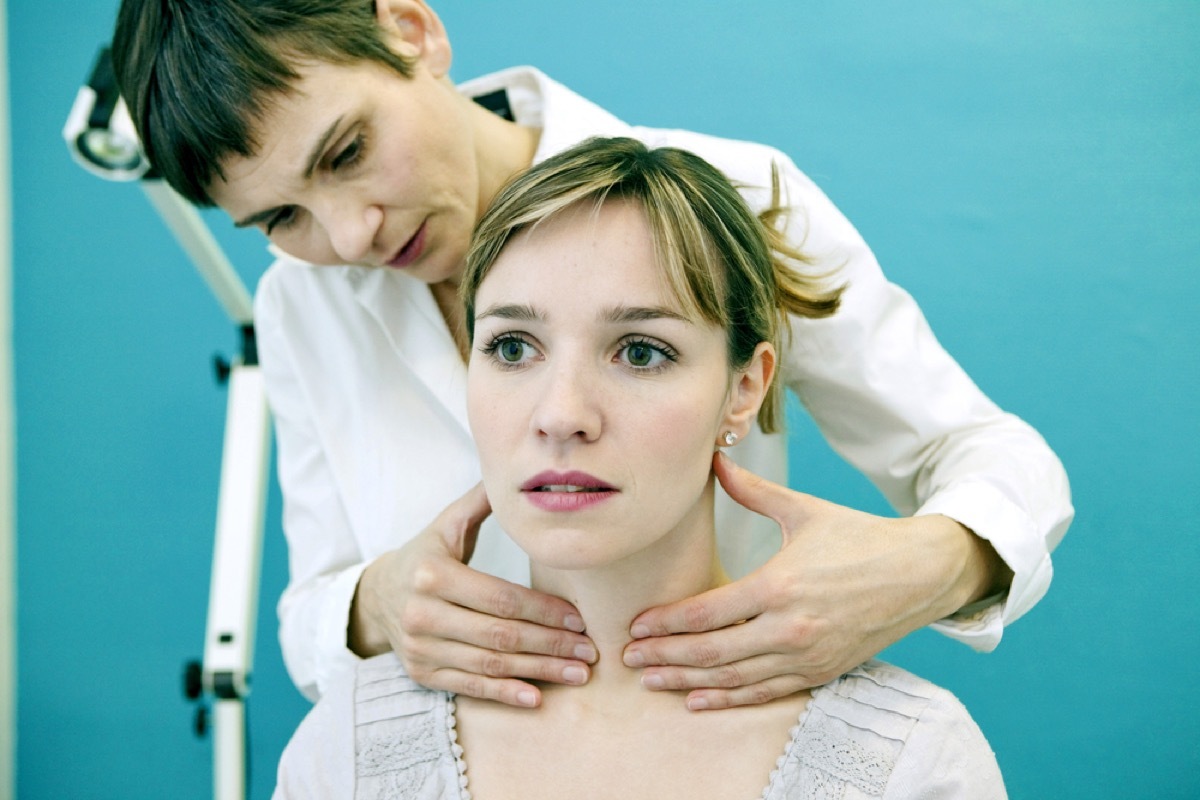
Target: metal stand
{"type": "Point", "coordinates": [224, 675]}
{"type": "Point", "coordinates": [233, 593]}
{"type": "Point", "coordinates": [103, 140]}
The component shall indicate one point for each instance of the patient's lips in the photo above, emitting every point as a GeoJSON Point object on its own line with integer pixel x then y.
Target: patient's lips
{"type": "Point", "coordinates": [566, 491]}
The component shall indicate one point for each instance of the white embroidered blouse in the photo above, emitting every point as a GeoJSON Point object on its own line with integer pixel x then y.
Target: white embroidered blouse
{"type": "Point", "coordinates": [876, 732]}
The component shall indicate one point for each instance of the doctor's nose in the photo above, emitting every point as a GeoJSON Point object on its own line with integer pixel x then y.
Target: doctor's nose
{"type": "Point", "coordinates": [352, 230]}
{"type": "Point", "coordinates": [568, 408]}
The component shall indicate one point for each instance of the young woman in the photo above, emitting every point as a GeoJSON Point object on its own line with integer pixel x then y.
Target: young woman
{"type": "Point", "coordinates": [625, 309]}
{"type": "Point", "coordinates": [333, 126]}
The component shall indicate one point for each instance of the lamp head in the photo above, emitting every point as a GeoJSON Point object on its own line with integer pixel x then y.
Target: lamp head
{"type": "Point", "coordinates": [99, 132]}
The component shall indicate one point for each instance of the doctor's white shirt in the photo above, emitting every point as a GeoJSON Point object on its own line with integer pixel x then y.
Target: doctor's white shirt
{"type": "Point", "coordinates": [367, 392]}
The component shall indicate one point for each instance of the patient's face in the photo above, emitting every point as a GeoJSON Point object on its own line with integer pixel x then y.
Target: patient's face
{"type": "Point", "coordinates": [595, 405]}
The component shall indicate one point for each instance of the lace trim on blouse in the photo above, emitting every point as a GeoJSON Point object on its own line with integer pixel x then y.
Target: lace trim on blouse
{"type": "Point", "coordinates": [844, 744]}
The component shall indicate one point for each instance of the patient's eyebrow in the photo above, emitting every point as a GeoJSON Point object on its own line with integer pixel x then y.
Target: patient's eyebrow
{"type": "Point", "coordinates": [613, 315]}
{"type": "Point", "coordinates": [513, 311]}
{"type": "Point", "coordinates": [620, 314]}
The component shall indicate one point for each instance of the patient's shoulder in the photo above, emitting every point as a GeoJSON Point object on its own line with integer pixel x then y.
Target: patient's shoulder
{"type": "Point", "coordinates": [404, 733]}
{"type": "Point", "coordinates": [889, 733]}
{"type": "Point", "coordinates": [881, 696]}
{"type": "Point", "coordinates": [371, 733]}
{"type": "Point", "coordinates": [381, 685]}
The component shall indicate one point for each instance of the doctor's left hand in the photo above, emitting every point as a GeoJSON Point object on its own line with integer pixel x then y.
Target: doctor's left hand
{"type": "Point", "coordinates": [845, 585]}
{"type": "Point", "coordinates": [461, 630]}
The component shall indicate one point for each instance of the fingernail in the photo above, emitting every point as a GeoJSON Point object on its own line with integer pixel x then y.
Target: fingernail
{"type": "Point", "coordinates": [634, 659]}
{"type": "Point", "coordinates": [585, 652]}
{"type": "Point", "coordinates": [573, 622]}
{"type": "Point", "coordinates": [652, 681]}
{"type": "Point", "coordinates": [527, 698]}
{"type": "Point", "coordinates": [697, 704]}
{"type": "Point", "coordinates": [575, 675]}
{"type": "Point", "coordinates": [639, 631]}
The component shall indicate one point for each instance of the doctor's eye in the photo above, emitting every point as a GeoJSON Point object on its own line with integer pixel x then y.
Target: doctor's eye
{"type": "Point", "coordinates": [281, 220]}
{"type": "Point", "coordinates": [509, 350]}
{"type": "Point", "coordinates": [351, 154]}
{"type": "Point", "coordinates": [646, 356]}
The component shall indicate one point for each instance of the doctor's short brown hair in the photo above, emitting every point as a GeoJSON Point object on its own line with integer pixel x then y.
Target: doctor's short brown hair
{"type": "Point", "coordinates": [198, 74]}
{"type": "Point", "coordinates": [725, 264]}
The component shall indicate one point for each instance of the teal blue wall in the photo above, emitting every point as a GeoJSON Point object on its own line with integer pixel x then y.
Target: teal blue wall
{"type": "Point", "coordinates": [1029, 171]}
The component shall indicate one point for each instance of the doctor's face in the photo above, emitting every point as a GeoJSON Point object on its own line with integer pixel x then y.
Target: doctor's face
{"type": "Point", "coordinates": [360, 165]}
{"type": "Point", "coordinates": [594, 403]}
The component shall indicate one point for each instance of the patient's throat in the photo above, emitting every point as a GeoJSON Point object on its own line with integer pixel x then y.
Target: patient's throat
{"type": "Point", "coordinates": [592, 753]}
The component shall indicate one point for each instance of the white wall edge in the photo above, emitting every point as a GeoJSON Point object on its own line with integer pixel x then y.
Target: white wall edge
{"type": "Point", "coordinates": [8, 550]}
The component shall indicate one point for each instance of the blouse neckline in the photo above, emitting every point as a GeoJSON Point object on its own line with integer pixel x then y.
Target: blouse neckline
{"type": "Point", "coordinates": [789, 748]}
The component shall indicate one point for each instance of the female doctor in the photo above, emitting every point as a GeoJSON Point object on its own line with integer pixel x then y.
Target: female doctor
{"type": "Point", "coordinates": [333, 127]}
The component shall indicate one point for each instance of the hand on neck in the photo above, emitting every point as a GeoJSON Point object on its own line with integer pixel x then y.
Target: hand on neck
{"type": "Point", "coordinates": [610, 598]}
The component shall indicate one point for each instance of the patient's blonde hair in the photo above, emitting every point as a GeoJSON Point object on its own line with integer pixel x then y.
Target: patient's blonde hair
{"type": "Point", "coordinates": [724, 264]}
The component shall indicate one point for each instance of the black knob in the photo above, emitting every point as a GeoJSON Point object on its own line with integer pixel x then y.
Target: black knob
{"type": "Point", "coordinates": [193, 680]}
{"type": "Point", "coordinates": [222, 368]}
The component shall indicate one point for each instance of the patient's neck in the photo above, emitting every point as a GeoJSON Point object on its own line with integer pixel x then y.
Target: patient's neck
{"type": "Point", "coordinates": [683, 564]}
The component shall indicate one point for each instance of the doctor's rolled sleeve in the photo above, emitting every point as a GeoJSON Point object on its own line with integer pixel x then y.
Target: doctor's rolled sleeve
{"type": "Point", "coordinates": [367, 389]}
{"type": "Point", "coordinates": [892, 402]}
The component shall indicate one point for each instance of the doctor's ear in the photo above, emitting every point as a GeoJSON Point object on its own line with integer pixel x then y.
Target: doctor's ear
{"type": "Point", "coordinates": [747, 392]}
{"type": "Point", "coordinates": [414, 30]}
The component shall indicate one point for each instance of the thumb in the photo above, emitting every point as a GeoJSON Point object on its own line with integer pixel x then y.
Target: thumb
{"type": "Point", "coordinates": [757, 493]}
{"type": "Point", "coordinates": [461, 520]}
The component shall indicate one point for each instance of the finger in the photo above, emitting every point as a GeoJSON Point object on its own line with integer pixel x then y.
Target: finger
{"type": "Point", "coordinates": [459, 522]}
{"type": "Point", "coordinates": [754, 694]}
{"type": "Point", "coordinates": [705, 650]}
{"type": "Point", "coordinates": [479, 661]}
{"type": "Point", "coordinates": [459, 624]}
{"type": "Point", "coordinates": [715, 609]}
{"type": "Point", "coordinates": [496, 597]}
{"type": "Point", "coordinates": [503, 690]}
{"type": "Point", "coordinates": [757, 493]}
{"type": "Point", "coordinates": [727, 676]}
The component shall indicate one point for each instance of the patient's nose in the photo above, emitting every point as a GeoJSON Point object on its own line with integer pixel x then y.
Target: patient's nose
{"type": "Point", "coordinates": [568, 408]}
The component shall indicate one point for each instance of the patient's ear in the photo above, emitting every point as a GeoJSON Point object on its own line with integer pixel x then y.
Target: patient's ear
{"type": "Point", "coordinates": [747, 392]}
{"type": "Point", "coordinates": [413, 29]}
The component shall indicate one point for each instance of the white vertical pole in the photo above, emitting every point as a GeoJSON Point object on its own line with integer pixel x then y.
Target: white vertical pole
{"type": "Point", "coordinates": [229, 749]}
{"type": "Point", "coordinates": [8, 550]}
{"type": "Point", "coordinates": [233, 597]}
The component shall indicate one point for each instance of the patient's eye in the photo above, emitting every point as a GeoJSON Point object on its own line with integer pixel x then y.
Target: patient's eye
{"type": "Point", "coordinates": [640, 355]}
{"type": "Point", "coordinates": [647, 356]}
{"type": "Point", "coordinates": [509, 350]}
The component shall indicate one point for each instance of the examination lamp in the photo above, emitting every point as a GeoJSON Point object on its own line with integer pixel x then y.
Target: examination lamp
{"type": "Point", "coordinates": [102, 139]}
{"type": "Point", "coordinates": [99, 131]}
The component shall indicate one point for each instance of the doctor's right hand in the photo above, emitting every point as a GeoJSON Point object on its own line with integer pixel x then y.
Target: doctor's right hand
{"type": "Point", "coordinates": [458, 629]}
